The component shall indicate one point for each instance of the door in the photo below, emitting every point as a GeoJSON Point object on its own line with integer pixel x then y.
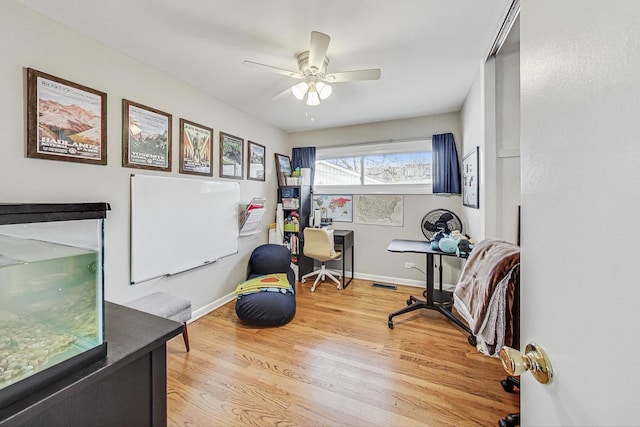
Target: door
{"type": "Point", "coordinates": [580, 124]}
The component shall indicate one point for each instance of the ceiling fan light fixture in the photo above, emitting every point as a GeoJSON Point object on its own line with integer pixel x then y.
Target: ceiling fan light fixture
{"type": "Point", "coordinates": [324, 90]}
{"type": "Point", "coordinates": [312, 98]}
{"type": "Point", "coordinates": [300, 90]}
{"type": "Point", "coordinates": [315, 85]}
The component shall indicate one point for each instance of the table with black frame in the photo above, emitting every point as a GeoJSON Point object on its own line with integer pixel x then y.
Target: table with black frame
{"type": "Point", "coordinates": [435, 299]}
{"type": "Point", "coordinates": [343, 241]}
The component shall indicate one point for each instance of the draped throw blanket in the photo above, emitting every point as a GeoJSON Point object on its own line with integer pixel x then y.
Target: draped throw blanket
{"type": "Point", "coordinates": [484, 295]}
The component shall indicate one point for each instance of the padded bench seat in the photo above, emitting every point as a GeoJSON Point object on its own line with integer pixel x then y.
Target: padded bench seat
{"type": "Point", "coordinates": [165, 305]}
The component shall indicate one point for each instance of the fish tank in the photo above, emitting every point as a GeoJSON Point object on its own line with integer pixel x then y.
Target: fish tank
{"type": "Point", "coordinates": [51, 293]}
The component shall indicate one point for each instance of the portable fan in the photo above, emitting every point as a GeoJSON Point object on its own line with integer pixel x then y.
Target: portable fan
{"type": "Point", "coordinates": [440, 219]}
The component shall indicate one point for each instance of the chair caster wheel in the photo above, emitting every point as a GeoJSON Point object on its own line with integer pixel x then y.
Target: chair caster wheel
{"type": "Point", "coordinates": [507, 386]}
{"type": "Point", "coordinates": [471, 339]}
{"type": "Point", "coordinates": [390, 324]}
{"type": "Point", "coordinates": [510, 420]}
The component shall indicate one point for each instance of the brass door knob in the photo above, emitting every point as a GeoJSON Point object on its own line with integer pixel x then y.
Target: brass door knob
{"type": "Point", "coordinates": [534, 359]}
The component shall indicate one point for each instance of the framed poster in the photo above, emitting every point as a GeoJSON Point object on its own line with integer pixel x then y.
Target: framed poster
{"type": "Point", "coordinates": [146, 137]}
{"type": "Point", "coordinates": [196, 148]}
{"type": "Point", "coordinates": [338, 207]}
{"type": "Point", "coordinates": [379, 209]}
{"type": "Point", "coordinates": [470, 184]}
{"type": "Point", "coordinates": [255, 161]}
{"type": "Point", "coordinates": [283, 168]}
{"type": "Point", "coordinates": [65, 120]}
{"type": "Point", "coordinates": [231, 156]}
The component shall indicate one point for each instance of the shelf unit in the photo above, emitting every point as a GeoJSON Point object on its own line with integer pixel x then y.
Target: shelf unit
{"type": "Point", "coordinates": [296, 199]}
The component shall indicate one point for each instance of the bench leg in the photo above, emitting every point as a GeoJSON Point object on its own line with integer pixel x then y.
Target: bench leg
{"type": "Point", "coordinates": [185, 335]}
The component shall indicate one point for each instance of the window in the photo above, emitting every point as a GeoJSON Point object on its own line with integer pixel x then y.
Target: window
{"type": "Point", "coordinates": [397, 167]}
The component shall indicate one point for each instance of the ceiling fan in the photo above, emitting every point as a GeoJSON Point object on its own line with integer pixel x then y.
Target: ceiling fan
{"type": "Point", "coordinates": [312, 70]}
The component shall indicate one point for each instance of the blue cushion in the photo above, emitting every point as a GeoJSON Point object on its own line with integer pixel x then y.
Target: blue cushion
{"type": "Point", "coordinates": [270, 258]}
{"type": "Point", "coordinates": [266, 308]}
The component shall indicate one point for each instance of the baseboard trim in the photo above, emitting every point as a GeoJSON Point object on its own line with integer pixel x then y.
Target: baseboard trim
{"type": "Point", "coordinates": [203, 311]}
{"type": "Point", "coordinates": [212, 306]}
{"type": "Point", "coordinates": [401, 281]}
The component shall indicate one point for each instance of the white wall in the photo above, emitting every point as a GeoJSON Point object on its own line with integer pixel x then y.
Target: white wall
{"type": "Point", "coordinates": [372, 260]}
{"type": "Point", "coordinates": [491, 121]}
{"type": "Point", "coordinates": [30, 40]}
{"type": "Point", "coordinates": [507, 145]}
{"type": "Point", "coordinates": [472, 118]}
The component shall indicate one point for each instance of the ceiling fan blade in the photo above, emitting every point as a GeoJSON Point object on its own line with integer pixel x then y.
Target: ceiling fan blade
{"type": "Point", "coordinates": [288, 73]}
{"type": "Point", "coordinates": [318, 50]}
{"type": "Point", "coordinates": [351, 76]}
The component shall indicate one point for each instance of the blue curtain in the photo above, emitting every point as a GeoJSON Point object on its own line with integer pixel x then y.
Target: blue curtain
{"type": "Point", "coordinates": [446, 172]}
{"type": "Point", "coordinates": [304, 157]}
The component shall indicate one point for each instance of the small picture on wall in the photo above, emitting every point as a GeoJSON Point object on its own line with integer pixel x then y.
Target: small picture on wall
{"type": "Point", "coordinates": [146, 137]}
{"type": "Point", "coordinates": [65, 121]}
{"type": "Point", "coordinates": [231, 156]}
{"type": "Point", "coordinates": [255, 161]}
{"type": "Point", "coordinates": [470, 184]}
{"type": "Point", "coordinates": [283, 168]}
{"type": "Point", "coordinates": [196, 148]}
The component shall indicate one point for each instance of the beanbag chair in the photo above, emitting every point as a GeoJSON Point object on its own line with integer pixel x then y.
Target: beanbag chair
{"type": "Point", "coordinates": [267, 298]}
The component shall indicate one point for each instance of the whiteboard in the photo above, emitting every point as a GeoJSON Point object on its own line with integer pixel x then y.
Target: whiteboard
{"type": "Point", "coordinates": [178, 224]}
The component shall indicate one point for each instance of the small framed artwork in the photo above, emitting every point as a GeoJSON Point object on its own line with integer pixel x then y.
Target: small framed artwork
{"type": "Point", "coordinates": [470, 184]}
{"type": "Point", "coordinates": [255, 161]}
{"type": "Point", "coordinates": [231, 156]}
{"type": "Point", "coordinates": [146, 137]}
{"type": "Point", "coordinates": [65, 120]}
{"type": "Point", "coordinates": [196, 148]}
{"type": "Point", "coordinates": [283, 168]}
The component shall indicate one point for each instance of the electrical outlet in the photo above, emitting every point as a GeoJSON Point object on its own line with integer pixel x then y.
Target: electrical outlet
{"type": "Point", "coordinates": [409, 265]}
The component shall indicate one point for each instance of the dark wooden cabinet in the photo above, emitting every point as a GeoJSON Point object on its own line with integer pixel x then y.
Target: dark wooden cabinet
{"type": "Point", "coordinates": [296, 199]}
{"type": "Point", "coordinates": [126, 388]}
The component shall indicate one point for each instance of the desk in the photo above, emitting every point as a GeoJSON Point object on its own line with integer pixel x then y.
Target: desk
{"type": "Point", "coordinates": [128, 387]}
{"type": "Point", "coordinates": [438, 300]}
{"type": "Point", "coordinates": [343, 241]}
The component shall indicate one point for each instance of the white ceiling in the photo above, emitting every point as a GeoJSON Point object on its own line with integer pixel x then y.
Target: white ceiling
{"type": "Point", "coordinates": [429, 51]}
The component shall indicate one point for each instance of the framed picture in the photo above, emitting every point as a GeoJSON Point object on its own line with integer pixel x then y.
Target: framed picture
{"type": "Point", "coordinates": [65, 120]}
{"type": "Point", "coordinates": [196, 148]}
{"type": "Point", "coordinates": [255, 161]}
{"type": "Point", "coordinates": [337, 207]}
{"type": "Point", "coordinates": [231, 156]}
{"type": "Point", "coordinates": [470, 184]}
{"type": "Point", "coordinates": [283, 168]}
{"type": "Point", "coordinates": [146, 137]}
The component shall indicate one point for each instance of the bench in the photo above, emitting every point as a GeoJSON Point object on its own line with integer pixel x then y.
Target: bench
{"type": "Point", "coordinates": [165, 305]}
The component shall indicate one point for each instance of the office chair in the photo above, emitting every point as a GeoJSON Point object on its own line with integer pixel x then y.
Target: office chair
{"type": "Point", "coordinates": [318, 244]}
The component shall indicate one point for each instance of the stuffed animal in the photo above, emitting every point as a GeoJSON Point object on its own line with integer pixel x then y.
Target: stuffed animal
{"type": "Point", "coordinates": [464, 247]}
{"type": "Point", "coordinates": [439, 235]}
{"type": "Point", "coordinates": [448, 245]}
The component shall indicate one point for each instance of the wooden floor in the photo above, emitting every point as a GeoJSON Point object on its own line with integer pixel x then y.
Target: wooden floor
{"type": "Point", "coordinates": [335, 364]}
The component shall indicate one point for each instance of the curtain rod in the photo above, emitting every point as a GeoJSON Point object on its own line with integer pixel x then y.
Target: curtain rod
{"type": "Point", "coordinates": [382, 141]}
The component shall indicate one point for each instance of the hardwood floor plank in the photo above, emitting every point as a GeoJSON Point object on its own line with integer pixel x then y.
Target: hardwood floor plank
{"type": "Point", "coordinates": [335, 364]}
